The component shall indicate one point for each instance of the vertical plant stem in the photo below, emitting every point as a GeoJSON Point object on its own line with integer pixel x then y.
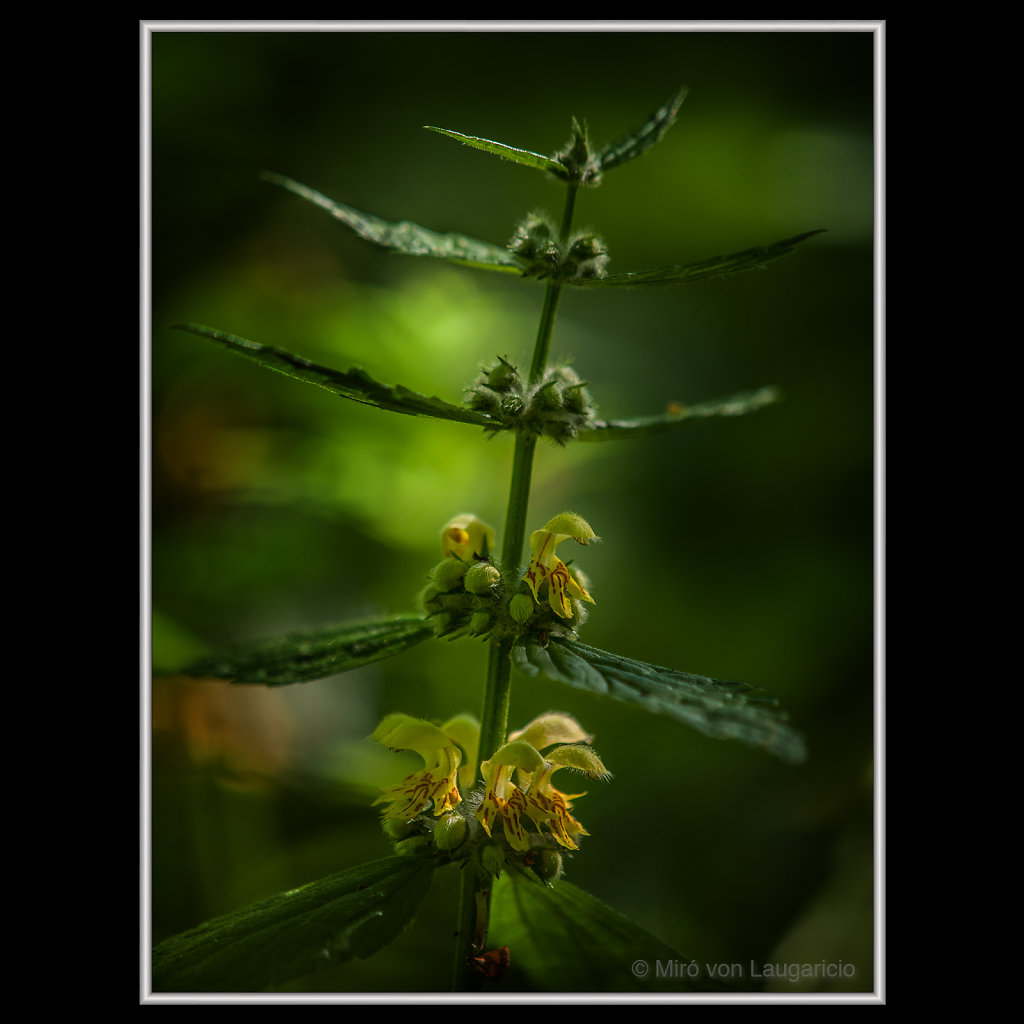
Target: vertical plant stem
{"type": "Point", "coordinates": [498, 690]}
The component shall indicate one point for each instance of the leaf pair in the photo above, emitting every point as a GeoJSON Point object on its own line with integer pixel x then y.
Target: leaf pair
{"type": "Point", "coordinates": [356, 384]}
{"type": "Point", "coordinates": [414, 240]}
{"type": "Point", "coordinates": [630, 146]}
{"type": "Point", "coordinates": [720, 709]}
{"type": "Point", "coordinates": [561, 938]}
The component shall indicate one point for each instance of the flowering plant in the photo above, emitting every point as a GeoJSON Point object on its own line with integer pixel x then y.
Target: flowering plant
{"type": "Point", "coordinates": [485, 799]}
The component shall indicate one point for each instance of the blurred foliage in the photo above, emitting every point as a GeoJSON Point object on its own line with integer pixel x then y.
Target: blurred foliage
{"type": "Point", "coordinates": [739, 548]}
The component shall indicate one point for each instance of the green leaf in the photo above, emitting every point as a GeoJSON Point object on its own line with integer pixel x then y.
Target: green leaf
{"type": "Point", "coordinates": [406, 237]}
{"type": "Point", "coordinates": [353, 383]}
{"type": "Point", "coordinates": [313, 653]}
{"type": "Point", "coordinates": [354, 913]}
{"type": "Point", "coordinates": [716, 266]}
{"type": "Point", "coordinates": [566, 940]}
{"type": "Point", "coordinates": [520, 156]}
{"type": "Point", "coordinates": [715, 707]}
{"type": "Point", "coordinates": [641, 426]}
{"type": "Point", "coordinates": [638, 142]}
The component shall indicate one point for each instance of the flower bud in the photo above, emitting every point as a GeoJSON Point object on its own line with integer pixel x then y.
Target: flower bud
{"type": "Point", "coordinates": [520, 608]}
{"type": "Point", "coordinates": [447, 575]}
{"type": "Point", "coordinates": [547, 398]}
{"type": "Point", "coordinates": [481, 577]}
{"type": "Point", "coordinates": [425, 599]}
{"type": "Point", "coordinates": [511, 406]}
{"type": "Point", "coordinates": [549, 865]}
{"type": "Point", "coordinates": [503, 377]}
{"type": "Point", "coordinates": [492, 857]}
{"type": "Point", "coordinates": [484, 399]}
{"type": "Point", "coordinates": [586, 257]}
{"type": "Point", "coordinates": [450, 832]}
{"type": "Point", "coordinates": [480, 623]}
{"type": "Point", "coordinates": [414, 847]}
{"type": "Point", "coordinates": [396, 829]}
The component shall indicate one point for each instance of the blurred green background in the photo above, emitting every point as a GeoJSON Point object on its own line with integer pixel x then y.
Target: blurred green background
{"type": "Point", "coordinates": [738, 548]}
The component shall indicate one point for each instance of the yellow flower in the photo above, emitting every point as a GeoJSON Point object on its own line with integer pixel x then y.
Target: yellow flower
{"type": "Point", "coordinates": [547, 805]}
{"type": "Point", "coordinates": [535, 797]}
{"type": "Point", "coordinates": [437, 781]}
{"type": "Point", "coordinates": [503, 800]}
{"type": "Point", "coordinates": [547, 568]}
{"type": "Point", "coordinates": [466, 537]}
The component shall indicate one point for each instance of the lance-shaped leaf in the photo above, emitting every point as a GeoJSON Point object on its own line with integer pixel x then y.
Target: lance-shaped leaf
{"type": "Point", "coordinates": [406, 237]}
{"type": "Point", "coordinates": [354, 913]}
{"type": "Point", "coordinates": [678, 414]}
{"type": "Point", "coordinates": [717, 708]}
{"type": "Point", "coordinates": [519, 156]}
{"type": "Point", "coordinates": [563, 939]}
{"type": "Point", "coordinates": [313, 653]}
{"type": "Point", "coordinates": [638, 142]}
{"type": "Point", "coordinates": [353, 383]}
{"type": "Point", "coordinates": [716, 266]}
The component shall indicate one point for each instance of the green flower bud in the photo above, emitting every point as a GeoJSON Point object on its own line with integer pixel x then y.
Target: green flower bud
{"type": "Point", "coordinates": [417, 846]}
{"type": "Point", "coordinates": [503, 377]}
{"type": "Point", "coordinates": [448, 623]}
{"type": "Point", "coordinates": [560, 431]}
{"type": "Point", "coordinates": [546, 398]}
{"type": "Point", "coordinates": [549, 865]}
{"type": "Point", "coordinates": [511, 406]}
{"type": "Point", "coordinates": [481, 577]}
{"type": "Point", "coordinates": [450, 832]}
{"type": "Point", "coordinates": [425, 599]}
{"type": "Point", "coordinates": [480, 623]}
{"type": "Point", "coordinates": [577, 400]}
{"type": "Point", "coordinates": [492, 857]}
{"type": "Point", "coordinates": [396, 829]}
{"type": "Point", "coordinates": [586, 257]}
{"type": "Point", "coordinates": [484, 399]}
{"type": "Point", "coordinates": [447, 575]}
{"type": "Point", "coordinates": [521, 608]}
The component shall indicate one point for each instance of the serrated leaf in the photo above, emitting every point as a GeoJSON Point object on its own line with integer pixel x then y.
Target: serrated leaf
{"type": "Point", "coordinates": [716, 266]}
{"type": "Point", "coordinates": [637, 142]}
{"type": "Point", "coordinates": [354, 383]}
{"type": "Point", "coordinates": [642, 426]}
{"type": "Point", "coordinates": [519, 156]}
{"type": "Point", "coordinates": [354, 913]}
{"type": "Point", "coordinates": [566, 940]}
{"type": "Point", "coordinates": [716, 707]}
{"type": "Point", "coordinates": [313, 653]}
{"type": "Point", "coordinates": [406, 237]}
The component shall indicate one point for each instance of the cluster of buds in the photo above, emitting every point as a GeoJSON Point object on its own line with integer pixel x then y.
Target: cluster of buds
{"type": "Point", "coordinates": [542, 254]}
{"type": "Point", "coordinates": [463, 593]}
{"type": "Point", "coordinates": [515, 816]}
{"type": "Point", "coordinates": [557, 406]}
{"type": "Point", "coordinates": [581, 165]}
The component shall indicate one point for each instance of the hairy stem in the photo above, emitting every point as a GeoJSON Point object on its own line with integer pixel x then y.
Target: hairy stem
{"type": "Point", "coordinates": [474, 900]}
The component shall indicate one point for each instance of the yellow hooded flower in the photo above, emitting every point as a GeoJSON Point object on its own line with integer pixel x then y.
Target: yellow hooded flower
{"type": "Point", "coordinates": [547, 805]}
{"type": "Point", "coordinates": [503, 800]}
{"type": "Point", "coordinates": [547, 568]}
{"type": "Point", "coordinates": [535, 797]}
{"type": "Point", "coordinates": [436, 782]}
{"type": "Point", "coordinates": [466, 537]}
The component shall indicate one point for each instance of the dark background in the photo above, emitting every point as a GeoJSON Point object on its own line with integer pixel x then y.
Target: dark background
{"type": "Point", "coordinates": [739, 548]}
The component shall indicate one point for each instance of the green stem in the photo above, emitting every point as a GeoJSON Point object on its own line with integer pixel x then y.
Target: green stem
{"type": "Point", "coordinates": [498, 691]}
